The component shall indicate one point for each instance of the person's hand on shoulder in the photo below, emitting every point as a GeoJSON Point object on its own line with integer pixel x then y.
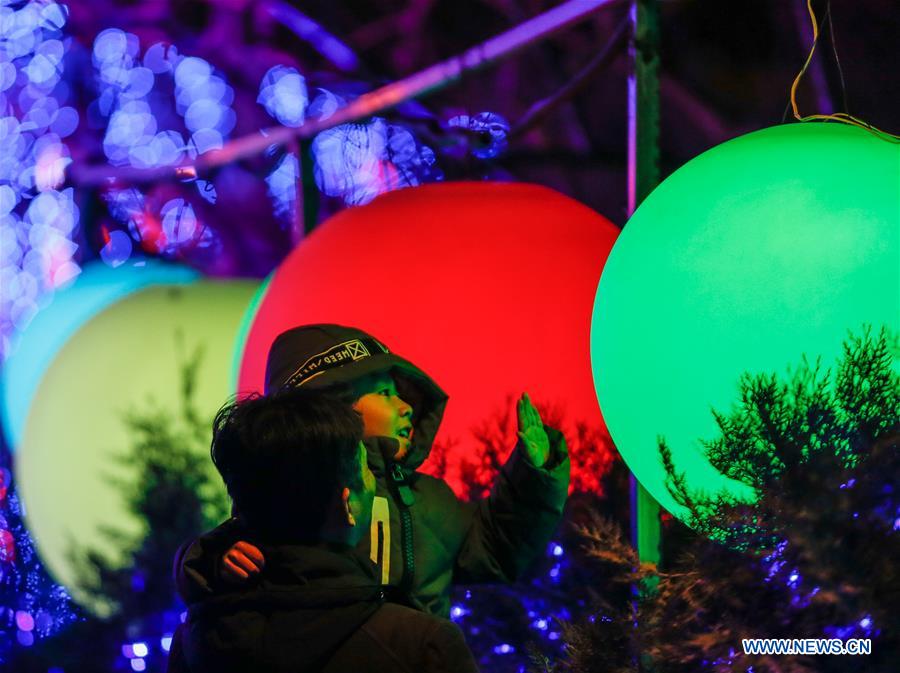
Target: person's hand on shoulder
{"type": "Point", "coordinates": [531, 432]}
{"type": "Point", "coordinates": [241, 562]}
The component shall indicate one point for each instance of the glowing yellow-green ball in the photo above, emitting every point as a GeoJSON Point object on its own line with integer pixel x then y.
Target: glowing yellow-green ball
{"type": "Point", "coordinates": [96, 288]}
{"type": "Point", "coordinates": [127, 358]}
{"type": "Point", "coordinates": [764, 249]}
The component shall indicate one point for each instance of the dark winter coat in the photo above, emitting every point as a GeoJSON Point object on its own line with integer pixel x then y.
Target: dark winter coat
{"type": "Point", "coordinates": [317, 609]}
{"type": "Point", "coordinates": [442, 539]}
{"type": "Point", "coordinates": [422, 537]}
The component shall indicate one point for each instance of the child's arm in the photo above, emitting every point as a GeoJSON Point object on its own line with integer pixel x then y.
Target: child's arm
{"type": "Point", "coordinates": [215, 558]}
{"type": "Point", "coordinates": [513, 525]}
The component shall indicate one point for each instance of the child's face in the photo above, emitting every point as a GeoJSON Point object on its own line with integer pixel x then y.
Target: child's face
{"type": "Point", "coordinates": [383, 412]}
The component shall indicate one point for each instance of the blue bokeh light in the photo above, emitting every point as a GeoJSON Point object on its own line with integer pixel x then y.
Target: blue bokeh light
{"type": "Point", "coordinates": [37, 222]}
{"type": "Point", "coordinates": [283, 94]}
{"type": "Point", "coordinates": [131, 105]}
{"type": "Point", "coordinates": [203, 114]}
{"type": "Point", "coordinates": [204, 140]}
{"type": "Point", "coordinates": [357, 162]}
{"type": "Point", "coordinates": [282, 183]}
{"type": "Point", "coordinates": [192, 72]}
{"type": "Point", "coordinates": [489, 127]}
{"type": "Point", "coordinates": [157, 58]}
{"type": "Point", "coordinates": [117, 249]}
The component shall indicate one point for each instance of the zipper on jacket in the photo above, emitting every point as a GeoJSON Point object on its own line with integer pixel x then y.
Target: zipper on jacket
{"type": "Point", "coordinates": [380, 550]}
{"type": "Point", "coordinates": [406, 499]}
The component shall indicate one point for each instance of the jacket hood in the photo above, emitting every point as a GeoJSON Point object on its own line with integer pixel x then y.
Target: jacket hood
{"type": "Point", "coordinates": [319, 356]}
{"type": "Point", "coordinates": [306, 603]}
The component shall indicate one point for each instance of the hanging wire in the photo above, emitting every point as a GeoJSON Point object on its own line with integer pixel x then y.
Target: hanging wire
{"type": "Point", "coordinates": [837, 59]}
{"type": "Point", "coordinates": [841, 117]}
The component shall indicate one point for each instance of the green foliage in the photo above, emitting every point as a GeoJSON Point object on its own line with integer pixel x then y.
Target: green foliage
{"type": "Point", "coordinates": [779, 429]}
{"type": "Point", "coordinates": [171, 488]}
{"type": "Point", "coordinates": [813, 557]}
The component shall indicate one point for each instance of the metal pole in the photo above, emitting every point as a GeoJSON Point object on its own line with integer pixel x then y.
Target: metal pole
{"type": "Point", "coordinates": [643, 176]}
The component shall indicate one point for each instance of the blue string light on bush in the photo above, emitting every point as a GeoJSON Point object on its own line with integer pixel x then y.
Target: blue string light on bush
{"type": "Point", "coordinates": [283, 94]}
{"type": "Point", "coordinates": [357, 162]}
{"type": "Point", "coordinates": [353, 162]}
{"type": "Point", "coordinates": [282, 184]}
{"type": "Point", "coordinates": [142, 132]}
{"type": "Point", "coordinates": [32, 607]}
{"type": "Point", "coordinates": [504, 624]}
{"type": "Point", "coordinates": [489, 133]}
{"type": "Point", "coordinates": [37, 221]}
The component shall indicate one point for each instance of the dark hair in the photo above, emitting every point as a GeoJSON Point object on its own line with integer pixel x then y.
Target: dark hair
{"type": "Point", "coordinates": [284, 458]}
{"type": "Point", "coordinates": [345, 391]}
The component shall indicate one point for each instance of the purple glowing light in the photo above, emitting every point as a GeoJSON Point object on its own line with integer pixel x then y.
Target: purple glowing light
{"type": "Point", "coordinates": [24, 621]}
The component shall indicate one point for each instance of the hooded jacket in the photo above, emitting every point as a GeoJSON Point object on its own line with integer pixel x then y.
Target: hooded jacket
{"type": "Point", "coordinates": [317, 609]}
{"type": "Point", "coordinates": [422, 536]}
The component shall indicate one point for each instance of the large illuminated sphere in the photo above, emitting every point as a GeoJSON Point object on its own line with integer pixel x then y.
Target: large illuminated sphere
{"type": "Point", "coordinates": [764, 249]}
{"type": "Point", "coordinates": [486, 286]}
{"type": "Point", "coordinates": [96, 287]}
{"type": "Point", "coordinates": [127, 358]}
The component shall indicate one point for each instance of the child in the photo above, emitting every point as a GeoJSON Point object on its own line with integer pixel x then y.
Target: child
{"type": "Point", "coordinates": [295, 467]}
{"type": "Point", "coordinates": [422, 537]}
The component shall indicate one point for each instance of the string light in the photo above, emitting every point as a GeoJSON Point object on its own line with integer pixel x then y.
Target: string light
{"type": "Point", "coordinates": [283, 94]}
{"type": "Point", "coordinates": [134, 136]}
{"type": "Point", "coordinates": [357, 162]}
{"type": "Point", "coordinates": [490, 127]}
{"type": "Point", "coordinates": [37, 222]}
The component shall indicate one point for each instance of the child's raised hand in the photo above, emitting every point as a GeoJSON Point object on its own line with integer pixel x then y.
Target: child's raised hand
{"type": "Point", "coordinates": [241, 562]}
{"type": "Point", "coordinates": [531, 432]}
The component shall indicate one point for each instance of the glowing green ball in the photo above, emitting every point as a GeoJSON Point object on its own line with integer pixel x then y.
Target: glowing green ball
{"type": "Point", "coordinates": [764, 249]}
{"type": "Point", "coordinates": [127, 358]}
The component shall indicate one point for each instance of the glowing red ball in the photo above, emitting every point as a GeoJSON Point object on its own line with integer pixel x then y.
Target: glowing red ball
{"type": "Point", "coordinates": [488, 287]}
